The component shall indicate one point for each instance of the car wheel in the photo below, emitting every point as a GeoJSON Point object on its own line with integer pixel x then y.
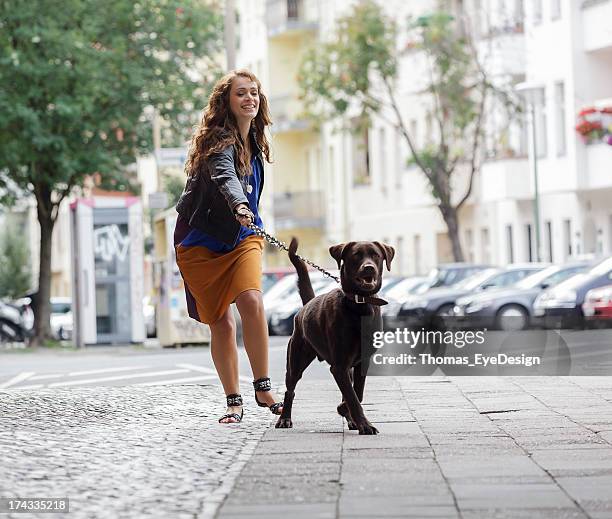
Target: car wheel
{"type": "Point", "coordinates": [443, 316]}
{"type": "Point", "coordinates": [512, 318]}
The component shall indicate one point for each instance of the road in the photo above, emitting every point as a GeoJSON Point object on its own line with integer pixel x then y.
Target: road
{"type": "Point", "coordinates": [130, 365]}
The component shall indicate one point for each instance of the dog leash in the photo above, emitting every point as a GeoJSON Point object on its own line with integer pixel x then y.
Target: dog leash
{"type": "Point", "coordinates": [282, 245]}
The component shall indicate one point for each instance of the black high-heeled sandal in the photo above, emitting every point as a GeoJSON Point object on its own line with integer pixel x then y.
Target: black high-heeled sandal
{"type": "Point", "coordinates": [233, 400]}
{"type": "Point", "coordinates": [263, 384]}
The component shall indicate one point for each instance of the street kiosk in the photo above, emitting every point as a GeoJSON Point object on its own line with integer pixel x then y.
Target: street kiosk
{"type": "Point", "coordinates": [107, 270]}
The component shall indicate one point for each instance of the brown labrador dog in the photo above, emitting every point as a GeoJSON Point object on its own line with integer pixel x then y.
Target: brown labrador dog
{"type": "Point", "coordinates": [330, 326]}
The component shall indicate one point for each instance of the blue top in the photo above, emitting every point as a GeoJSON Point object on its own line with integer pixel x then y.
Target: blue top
{"type": "Point", "coordinates": [199, 238]}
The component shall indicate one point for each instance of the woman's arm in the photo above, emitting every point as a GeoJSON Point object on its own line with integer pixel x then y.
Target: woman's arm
{"type": "Point", "coordinates": [223, 174]}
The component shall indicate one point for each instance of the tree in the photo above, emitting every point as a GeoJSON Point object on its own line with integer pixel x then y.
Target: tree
{"type": "Point", "coordinates": [74, 81]}
{"type": "Point", "coordinates": [15, 275]}
{"type": "Point", "coordinates": [356, 71]}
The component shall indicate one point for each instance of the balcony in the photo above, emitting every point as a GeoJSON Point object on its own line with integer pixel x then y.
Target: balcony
{"type": "Point", "coordinates": [286, 113]}
{"type": "Point", "coordinates": [304, 209]}
{"type": "Point", "coordinates": [596, 16]}
{"type": "Point", "coordinates": [289, 17]}
{"type": "Point", "coordinates": [506, 179]}
{"type": "Point", "coordinates": [598, 166]}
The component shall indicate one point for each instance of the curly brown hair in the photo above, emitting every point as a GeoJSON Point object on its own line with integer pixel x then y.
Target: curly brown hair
{"type": "Point", "coordinates": [219, 129]}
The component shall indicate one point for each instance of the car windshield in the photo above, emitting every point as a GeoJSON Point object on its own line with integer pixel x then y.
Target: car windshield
{"type": "Point", "coordinates": [403, 288]}
{"type": "Point", "coordinates": [603, 268]}
{"type": "Point", "coordinates": [574, 282]}
{"type": "Point", "coordinates": [551, 276]}
{"type": "Point", "coordinates": [60, 308]}
{"type": "Point", "coordinates": [476, 280]}
{"type": "Point", "coordinates": [280, 288]}
{"type": "Point", "coordinates": [536, 279]}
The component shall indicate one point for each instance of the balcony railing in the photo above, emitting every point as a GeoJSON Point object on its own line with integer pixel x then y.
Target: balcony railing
{"type": "Point", "coordinates": [299, 210]}
{"type": "Point", "coordinates": [288, 15]}
{"type": "Point", "coordinates": [286, 112]}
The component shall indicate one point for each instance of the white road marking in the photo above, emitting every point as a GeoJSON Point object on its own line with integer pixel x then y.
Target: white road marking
{"type": "Point", "coordinates": [46, 377]}
{"type": "Point", "coordinates": [118, 377]}
{"type": "Point", "coordinates": [16, 379]}
{"type": "Point", "coordinates": [105, 370]}
{"type": "Point", "coordinates": [176, 381]}
{"type": "Point", "coordinates": [31, 386]}
{"type": "Point", "coordinates": [202, 369]}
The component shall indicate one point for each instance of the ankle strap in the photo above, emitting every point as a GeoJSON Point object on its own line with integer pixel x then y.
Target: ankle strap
{"type": "Point", "coordinates": [234, 400]}
{"type": "Point", "coordinates": [262, 384]}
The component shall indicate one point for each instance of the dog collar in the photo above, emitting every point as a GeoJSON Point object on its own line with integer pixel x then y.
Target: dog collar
{"type": "Point", "coordinates": [359, 299]}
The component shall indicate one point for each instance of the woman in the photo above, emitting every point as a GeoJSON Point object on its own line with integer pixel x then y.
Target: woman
{"type": "Point", "coordinates": [218, 255]}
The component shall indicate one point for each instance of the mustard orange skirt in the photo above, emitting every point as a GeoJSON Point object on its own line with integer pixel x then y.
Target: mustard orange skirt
{"type": "Point", "coordinates": [215, 279]}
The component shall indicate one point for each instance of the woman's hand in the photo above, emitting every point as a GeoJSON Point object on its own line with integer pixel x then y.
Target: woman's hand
{"type": "Point", "coordinates": [244, 215]}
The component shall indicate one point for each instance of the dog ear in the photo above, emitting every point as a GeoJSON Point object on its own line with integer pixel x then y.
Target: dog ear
{"type": "Point", "coordinates": [337, 251]}
{"type": "Point", "coordinates": [388, 252]}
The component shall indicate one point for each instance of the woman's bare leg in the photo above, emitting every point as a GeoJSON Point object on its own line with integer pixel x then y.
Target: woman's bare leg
{"type": "Point", "coordinates": [224, 352]}
{"type": "Point", "coordinates": [255, 336]}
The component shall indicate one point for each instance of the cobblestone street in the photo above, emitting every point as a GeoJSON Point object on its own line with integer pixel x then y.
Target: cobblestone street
{"type": "Point", "coordinates": [466, 447]}
{"type": "Point", "coordinates": [124, 452]}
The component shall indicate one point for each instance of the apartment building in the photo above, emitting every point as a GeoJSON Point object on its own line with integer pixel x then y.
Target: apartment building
{"type": "Point", "coordinates": [331, 185]}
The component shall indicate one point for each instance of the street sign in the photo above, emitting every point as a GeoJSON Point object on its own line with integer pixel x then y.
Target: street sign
{"type": "Point", "coordinates": [171, 157]}
{"type": "Point", "coordinates": [158, 200]}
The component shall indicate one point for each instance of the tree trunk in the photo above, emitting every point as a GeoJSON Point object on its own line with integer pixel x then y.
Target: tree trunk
{"type": "Point", "coordinates": [451, 218]}
{"type": "Point", "coordinates": [42, 303]}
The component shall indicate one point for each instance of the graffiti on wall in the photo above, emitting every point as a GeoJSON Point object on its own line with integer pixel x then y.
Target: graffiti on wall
{"type": "Point", "coordinates": [109, 243]}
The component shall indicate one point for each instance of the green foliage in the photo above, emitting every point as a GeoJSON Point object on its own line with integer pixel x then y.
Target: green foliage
{"type": "Point", "coordinates": [76, 75]}
{"type": "Point", "coordinates": [173, 185]}
{"type": "Point", "coordinates": [15, 274]}
{"type": "Point", "coordinates": [337, 75]}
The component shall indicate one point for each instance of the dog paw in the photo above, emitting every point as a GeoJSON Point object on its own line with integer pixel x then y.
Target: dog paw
{"type": "Point", "coordinates": [367, 428]}
{"type": "Point", "coordinates": [284, 423]}
{"type": "Point", "coordinates": [352, 425]}
{"type": "Point", "coordinates": [343, 410]}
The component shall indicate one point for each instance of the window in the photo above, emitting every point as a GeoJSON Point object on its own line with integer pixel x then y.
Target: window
{"type": "Point", "coordinates": [382, 150]}
{"type": "Point", "coordinates": [469, 243]}
{"type": "Point", "coordinates": [361, 157]}
{"type": "Point", "coordinates": [529, 242]}
{"type": "Point", "coordinates": [510, 244]}
{"type": "Point", "coordinates": [485, 245]}
{"type": "Point", "coordinates": [560, 118]}
{"type": "Point", "coordinates": [567, 237]}
{"type": "Point", "coordinates": [549, 244]}
{"type": "Point", "coordinates": [414, 132]}
{"type": "Point", "coordinates": [428, 129]}
{"type": "Point", "coordinates": [416, 247]}
{"type": "Point", "coordinates": [399, 255]}
{"type": "Point", "coordinates": [555, 9]}
{"type": "Point", "coordinates": [537, 11]}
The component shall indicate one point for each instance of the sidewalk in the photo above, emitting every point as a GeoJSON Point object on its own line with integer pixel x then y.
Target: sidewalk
{"type": "Point", "coordinates": [531, 447]}
{"type": "Point", "coordinates": [467, 447]}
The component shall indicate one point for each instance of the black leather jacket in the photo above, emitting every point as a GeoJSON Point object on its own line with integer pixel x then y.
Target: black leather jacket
{"type": "Point", "coordinates": [210, 196]}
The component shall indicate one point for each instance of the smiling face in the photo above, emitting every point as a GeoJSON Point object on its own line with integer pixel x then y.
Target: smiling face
{"type": "Point", "coordinates": [244, 99]}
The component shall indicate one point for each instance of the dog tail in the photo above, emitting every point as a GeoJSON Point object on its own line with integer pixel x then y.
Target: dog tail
{"type": "Point", "coordinates": [304, 285]}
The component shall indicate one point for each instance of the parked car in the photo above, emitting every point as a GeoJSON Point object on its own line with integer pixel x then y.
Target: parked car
{"type": "Point", "coordinates": [281, 316]}
{"type": "Point", "coordinates": [272, 275]}
{"type": "Point", "coordinates": [61, 318]}
{"type": "Point", "coordinates": [149, 314]}
{"type": "Point", "coordinates": [597, 306]}
{"type": "Point", "coordinates": [561, 305]}
{"type": "Point", "coordinates": [16, 321]}
{"type": "Point", "coordinates": [449, 274]}
{"type": "Point", "coordinates": [398, 293]}
{"type": "Point", "coordinates": [432, 308]}
{"type": "Point", "coordinates": [511, 308]}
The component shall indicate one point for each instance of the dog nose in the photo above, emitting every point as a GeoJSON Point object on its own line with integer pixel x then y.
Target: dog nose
{"type": "Point", "coordinates": [368, 269]}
